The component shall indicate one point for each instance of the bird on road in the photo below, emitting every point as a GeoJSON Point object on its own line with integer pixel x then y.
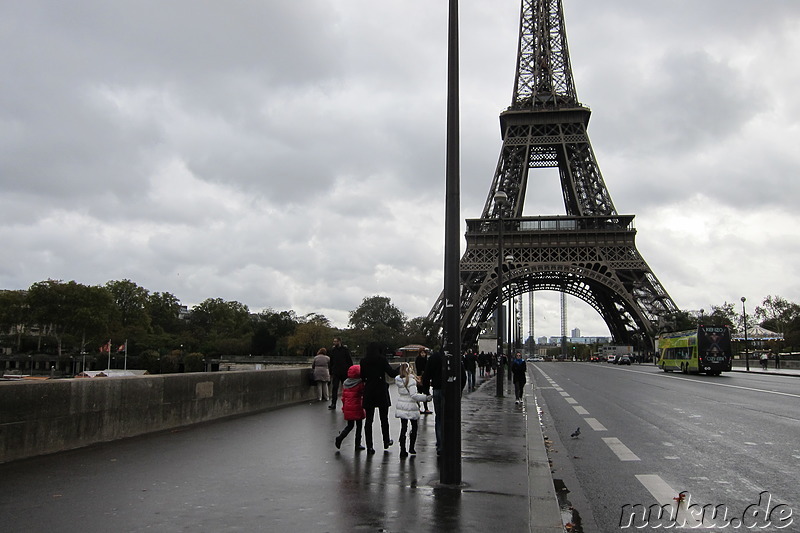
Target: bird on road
{"type": "Point", "coordinates": [576, 433]}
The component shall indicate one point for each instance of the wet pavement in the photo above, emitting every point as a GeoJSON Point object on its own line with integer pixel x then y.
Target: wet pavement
{"type": "Point", "coordinates": [279, 471]}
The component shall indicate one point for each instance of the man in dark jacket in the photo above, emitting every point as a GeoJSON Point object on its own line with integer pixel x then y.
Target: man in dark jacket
{"type": "Point", "coordinates": [338, 366]}
{"type": "Point", "coordinates": [374, 369]}
{"type": "Point", "coordinates": [433, 378]}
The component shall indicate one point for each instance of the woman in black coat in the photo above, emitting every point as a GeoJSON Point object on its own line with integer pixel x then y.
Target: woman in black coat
{"type": "Point", "coordinates": [374, 369]}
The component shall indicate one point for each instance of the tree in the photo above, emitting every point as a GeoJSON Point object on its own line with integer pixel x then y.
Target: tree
{"type": "Point", "coordinates": [14, 313]}
{"type": "Point", "coordinates": [221, 326]}
{"type": "Point", "coordinates": [131, 302]}
{"type": "Point", "coordinates": [677, 321]}
{"type": "Point", "coordinates": [271, 329]}
{"type": "Point", "coordinates": [421, 330]}
{"type": "Point", "coordinates": [378, 320]}
{"type": "Point", "coordinates": [722, 315]}
{"type": "Point", "coordinates": [377, 311]}
{"type": "Point", "coordinates": [69, 310]}
{"type": "Point", "coordinates": [776, 313]}
{"type": "Point", "coordinates": [193, 362]}
{"type": "Point", "coordinates": [313, 332]}
{"type": "Point", "coordinates": [163, 309]}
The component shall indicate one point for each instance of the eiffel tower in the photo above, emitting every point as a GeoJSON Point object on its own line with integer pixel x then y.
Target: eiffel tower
{"type": "Point", "coordinates": [590, 252]}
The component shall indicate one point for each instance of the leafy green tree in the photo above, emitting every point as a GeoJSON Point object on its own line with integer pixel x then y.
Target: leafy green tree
{"type": "Point", "coordinates": [69, 310]}
{"type": "Point", "coordinates": [776, 313]}
{"type": "Point", "coordinates": [312, 333]}
{"type": "Point", "coordinates": [375, 311]}
{"type": "Point", "coordinates": [677, 321]}
{"type": "Point", "coordinates": [377, 320]}
{"type": "Point", "coordinates": [194, 362]}
{"type": "Point", "coordinates": [131, 302]}
{"type": "Point", "coordinates": [421, 330]}
{"type": "Point", "coordinates": [14, 314]}
{"type": "Point", "coordinates": [93, 307]}
{"type": "Point", "coordinates": [722, 315]}
{"type": "Point", "coordinates": [150, 360]}
{"type": "Point", "coordinates": [271, 331]}
{"type": "Point", "coordinates": [163, 309]}
{"type": "Point", "coordinates": [216, 322]}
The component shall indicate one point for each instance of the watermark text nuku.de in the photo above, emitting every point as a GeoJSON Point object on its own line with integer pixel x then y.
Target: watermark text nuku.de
{"type": "Point", "coordinates": [685, 514]}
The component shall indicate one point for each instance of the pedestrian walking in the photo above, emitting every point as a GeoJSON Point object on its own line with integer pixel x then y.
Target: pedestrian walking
{"type": "Point", "coordinates": [470, 364]}
{"type": "Point", "coordinates": [777, 360]}
{"type": "Point", "coordinates": [420, 364]}
{"type": "Point", "coordinates": [374, 369]}
{"type": "Point", "coordinates": [407, 409]}
{"type": "Point", "coordinates": [519, 371]}
{"type": "Point", "coordinates": [340, 362]}
{"type": "Point", "coordinates": [352, 406]}
{"type": "Point", "coordinates": [322, 374]}
{"type": "Point", "coordinates": [764, 359]}
{"type": "Point", "coordinates": [432, 378]}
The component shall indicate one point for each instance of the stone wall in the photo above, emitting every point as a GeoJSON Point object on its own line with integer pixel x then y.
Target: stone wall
{"type": "Point", "coordinates": [41, 417]}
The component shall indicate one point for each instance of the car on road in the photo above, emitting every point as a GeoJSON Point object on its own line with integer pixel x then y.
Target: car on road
{"type": "Point", "coordinates": [623, 360]}
{"type": "Point", "coordinates": [534, 359]}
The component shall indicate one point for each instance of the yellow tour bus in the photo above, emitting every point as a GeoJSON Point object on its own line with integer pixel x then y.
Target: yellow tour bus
{"type": "Point", "coordinates": [706, 349]}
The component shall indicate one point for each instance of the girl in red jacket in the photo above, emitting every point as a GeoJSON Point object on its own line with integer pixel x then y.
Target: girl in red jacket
{"type": "Point", "coordinates": [352, 406]}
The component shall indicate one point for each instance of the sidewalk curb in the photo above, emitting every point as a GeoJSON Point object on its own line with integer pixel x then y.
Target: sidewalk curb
{"type": "Point", "coordinates": [544, 513]}
{"type": "Point", "coordinates": [765, 372]}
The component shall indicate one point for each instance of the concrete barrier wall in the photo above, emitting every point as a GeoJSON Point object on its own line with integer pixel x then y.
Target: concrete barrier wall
{"type": "Point", "coordinates": [41, 417]}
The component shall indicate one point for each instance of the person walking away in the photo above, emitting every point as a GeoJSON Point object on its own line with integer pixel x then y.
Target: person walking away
{"type": "Point", "coordinates": [432, 379]}
{"type": "Point", "coordinates": [322, 375]}
{"type": "Point", "coordinates": [519, 370]}
{"type": "Point", "coordinates": [470, 363]}
{"type": "Point", "coordinates": [407, 409]}
{"type": "Point", "coordinates": [340, 362]}
{"type": "Point", "coordinates": [374, 369]}
{"type": "Point", "coordinates": [764, 359]}
{"type": "Point", "coordinates": [352, 406]}
{"type": "Point", "coordinates": [420, 364]}
{"type": "Point", "coordinates": [777, 360]}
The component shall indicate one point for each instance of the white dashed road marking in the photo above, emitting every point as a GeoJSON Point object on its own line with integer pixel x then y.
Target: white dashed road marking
{"type": "Point", "coordinates": [595, 425]}
{"type": "Point", "coordinates": [623, 452]}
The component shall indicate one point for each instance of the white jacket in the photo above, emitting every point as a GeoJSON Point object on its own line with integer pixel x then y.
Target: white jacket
{"type": "Point", "coordinates": [407, 398]}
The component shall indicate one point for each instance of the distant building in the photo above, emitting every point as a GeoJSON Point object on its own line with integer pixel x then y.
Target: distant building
{"type": "Point", "coordinates": [576, 333]}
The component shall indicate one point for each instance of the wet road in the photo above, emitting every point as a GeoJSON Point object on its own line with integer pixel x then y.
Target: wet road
{"type": "Point", "coordinates": [647, 435]}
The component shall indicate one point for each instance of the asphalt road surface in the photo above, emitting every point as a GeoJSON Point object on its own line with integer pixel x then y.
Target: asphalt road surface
{"type": "Point", "coordinates": [730, 442]}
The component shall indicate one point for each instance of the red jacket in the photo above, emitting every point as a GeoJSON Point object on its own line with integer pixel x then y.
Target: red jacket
{"type": "Point", "coordinates": [353, 395]}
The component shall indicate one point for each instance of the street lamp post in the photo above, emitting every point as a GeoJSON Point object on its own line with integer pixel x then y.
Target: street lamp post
{"type": "Point", "coordinates": [451, 342]}
{"type": "Point", "coordinates": [500, 199]}
{"type": "Point", "coordinates": [744, 323]}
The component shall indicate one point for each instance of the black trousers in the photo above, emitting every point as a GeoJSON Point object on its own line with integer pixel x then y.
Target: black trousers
{"type": "Point", "coordinates": [413, 437]}
{"type": "Point", "coordinates": [335, 381]}
{"type": "Point", "coordinates": [349, 427]}
{"type": "Point", "coordinates": [383, 413]}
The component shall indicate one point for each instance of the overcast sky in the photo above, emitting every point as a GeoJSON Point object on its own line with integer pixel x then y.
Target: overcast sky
{"type": "Point", "coordinates": [289, 154]}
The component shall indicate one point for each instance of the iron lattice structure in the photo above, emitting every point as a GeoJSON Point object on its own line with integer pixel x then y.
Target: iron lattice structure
{"type": "Point", "coordinates": [590, 252]}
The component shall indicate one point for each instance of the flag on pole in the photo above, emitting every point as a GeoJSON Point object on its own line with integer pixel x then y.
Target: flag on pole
{"type": "Point", "coordinates": [106, 347]}
{"type": "Point", "coordinates": [121, 348]}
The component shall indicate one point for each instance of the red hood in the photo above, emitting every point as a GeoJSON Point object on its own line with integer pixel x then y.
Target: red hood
{"type": "Point", "coordinates": [354, 372]}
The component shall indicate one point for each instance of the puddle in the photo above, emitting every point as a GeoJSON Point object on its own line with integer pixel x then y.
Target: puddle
{"type": "Point", "coordinates": [570, 516]}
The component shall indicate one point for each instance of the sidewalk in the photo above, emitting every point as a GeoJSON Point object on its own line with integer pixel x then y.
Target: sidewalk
{"type": "Point", "coordinates": [279, 471]}
{"type": "Point", "coordinates": [755, 368]}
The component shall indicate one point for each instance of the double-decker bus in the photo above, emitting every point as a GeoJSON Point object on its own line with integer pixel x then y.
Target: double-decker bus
{"type": "Point", "coordinates": [706, 349]}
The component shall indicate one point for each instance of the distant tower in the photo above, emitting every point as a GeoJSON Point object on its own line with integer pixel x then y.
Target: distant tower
{"type": "Point", "coordinates": [531, 318]}
{"type": "Point", "coordinates": [563, 323]}
{"type": "Point", "coordinates": [590, 252]}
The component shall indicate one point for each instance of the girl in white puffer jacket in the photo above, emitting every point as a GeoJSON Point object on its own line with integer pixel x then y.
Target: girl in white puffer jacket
{"type": "Point", "coordinates": [407, 409]}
